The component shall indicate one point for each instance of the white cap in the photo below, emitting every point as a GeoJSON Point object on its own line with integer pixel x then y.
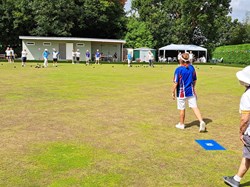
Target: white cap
{"type": "Point", "coordinates": [244, 75]}
{"type": "Point", "coordinates": [46, 49]}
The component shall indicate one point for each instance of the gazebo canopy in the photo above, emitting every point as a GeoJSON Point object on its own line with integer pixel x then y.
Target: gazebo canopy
{"type": "Point", "coordinates": [182, 47]}
{"type": "Point", "coordinates": [144, 49]}
{"type": "Point", "coordinates": [172, 50]}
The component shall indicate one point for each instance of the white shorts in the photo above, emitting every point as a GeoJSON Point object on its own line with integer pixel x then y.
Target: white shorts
{"type": "Point", "coordinates": [97, 58]}
{"type": "Point", "coordinates": [181, 102]}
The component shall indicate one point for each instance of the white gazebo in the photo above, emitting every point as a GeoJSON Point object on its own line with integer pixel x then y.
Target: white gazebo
{"type": "Point", "coordinates": [181, 47]}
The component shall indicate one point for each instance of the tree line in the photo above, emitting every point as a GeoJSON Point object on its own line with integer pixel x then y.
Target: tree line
{"type": "Point", "coordinates": [75, 18]}
{"type": "Point", "coordinates": [150, 23]}
{"type": "Point", "coordinates": [157, 23]}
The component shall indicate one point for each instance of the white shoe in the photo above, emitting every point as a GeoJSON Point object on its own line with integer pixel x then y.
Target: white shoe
{"type": "Point", "coordinates": [202, 126]}
{"type": "Point", "coordinates": [180, 126]}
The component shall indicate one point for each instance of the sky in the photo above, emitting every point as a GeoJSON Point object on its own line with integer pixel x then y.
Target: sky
{"type": "Point", "coordinates": [240, 7]}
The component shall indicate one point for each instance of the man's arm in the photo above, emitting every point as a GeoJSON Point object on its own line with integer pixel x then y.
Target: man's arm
{"type": "Point", "coordinates": [244, 121]}
{"type": "Point", "coordinates": [174, 90]}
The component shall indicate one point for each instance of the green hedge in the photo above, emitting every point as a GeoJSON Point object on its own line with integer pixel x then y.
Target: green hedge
{"type": "Point", "coordinates": [233, 54]}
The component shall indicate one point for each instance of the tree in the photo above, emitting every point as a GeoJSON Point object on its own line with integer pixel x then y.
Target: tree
{"type": "Point", "coordinates": [138, 34]}
{"type": "Point", "coordinates": [8, 33]}
{"type": "Point", "coordinates": [99, 18]}
{"type": "Point", "coordinates": [247, 28]}
{"type": "Point", "coordinates": [183, 21]}
{"type": "Point", "coordinates": [52, 19]}
{"type": "Point", "coordinates": [77, 18]}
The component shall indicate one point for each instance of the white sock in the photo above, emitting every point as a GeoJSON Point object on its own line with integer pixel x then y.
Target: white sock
{"type": "Point", "coordinates": [237, 178]}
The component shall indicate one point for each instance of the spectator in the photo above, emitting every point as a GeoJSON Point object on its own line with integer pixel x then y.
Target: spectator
{"type": "Point", "coordinates": [24, 57]}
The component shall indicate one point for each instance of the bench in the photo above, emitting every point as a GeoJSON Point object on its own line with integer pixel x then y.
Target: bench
{"type": "Point", "coordinates": [2, 56]}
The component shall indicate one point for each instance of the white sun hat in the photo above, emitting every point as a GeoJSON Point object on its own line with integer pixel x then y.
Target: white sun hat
{"type": "Point", "coordinates": [244, 75]}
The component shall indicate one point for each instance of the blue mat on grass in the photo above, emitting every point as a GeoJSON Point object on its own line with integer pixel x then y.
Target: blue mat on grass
{"type": "Point", "coordinates": [210, 145]}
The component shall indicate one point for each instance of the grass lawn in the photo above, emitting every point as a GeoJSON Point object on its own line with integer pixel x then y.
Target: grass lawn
{"type": "Point", "coordinates": [110, 125]}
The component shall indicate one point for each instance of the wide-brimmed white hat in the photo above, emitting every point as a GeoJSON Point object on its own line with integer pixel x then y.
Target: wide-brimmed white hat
{"type": "Point", "coordinates": [244, 75]}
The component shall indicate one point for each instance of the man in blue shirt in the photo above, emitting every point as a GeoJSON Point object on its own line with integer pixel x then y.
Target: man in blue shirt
{"type": "Point", "coordinates": [184, 89]}
{"type": "Point", "coordinates": [87, 55]}
{"type": "Point", "coordinates": [46, 56]}
{"type": "Point", "coordinates": [129, 59]}
{"type": "Point", "coordinates": [97, 57]}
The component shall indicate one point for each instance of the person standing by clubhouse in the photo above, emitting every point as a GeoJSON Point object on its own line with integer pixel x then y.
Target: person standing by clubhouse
{"type": "Point", "coordinates": [97, 57]}
{"type": "Point", "coordinates": [78, 54]}
{"type": "Point", "coordinates": [115, 57]}
{"type": "Point", "coordinates": [129, 57]}
{"type": "Point", "coordinates": [55, 54]}
{"type": "Point", "coordinates": [46, 54]}
{"type": "Point", "coordinates": [24, 57]}
{"type": "Point", "coordinates": [8, 56]}
{"type": "Point", "coordinates": [179, 57]}
{"type": "Point", "coordinates": [191, 57]}
{"type": "Point", "coordinates": [150, 58]}
{"type": "Point", "coordinates": [184, 89]}
{"type": "Point", "coordinates": [244, 135]}
{"type": "Point", "coordinates": [12, 55]}
{"type": "Point", "coordinates": [87, 56]}
{"type": "Point", "coordinates": [73, 56]}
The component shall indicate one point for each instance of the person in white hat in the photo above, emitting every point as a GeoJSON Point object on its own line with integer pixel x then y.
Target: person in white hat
{"type": "Point", "coordinates": [183, 91]}
{"type": "Point", "coordinates": [97, 57]}
{"type": "Point", "coordinates": [244, 79]}
{"type": "Point", "coordinates": [55, 55]}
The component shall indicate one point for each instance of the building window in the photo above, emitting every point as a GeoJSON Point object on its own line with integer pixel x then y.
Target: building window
{"type": "Point", "coordinates": [46, 43]}
{"type": "Point", "coordinates": [30, 43]}
{"type": "Point", "coordinates": [80, 44]}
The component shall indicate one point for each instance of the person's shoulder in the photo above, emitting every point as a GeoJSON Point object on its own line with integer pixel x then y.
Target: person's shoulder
{"type": "Point", "coordinates": [191, 66]}
{"type": "Point", "coordinates": [247, 93]}
{"type": "Point", "coordinates": [179, 68]}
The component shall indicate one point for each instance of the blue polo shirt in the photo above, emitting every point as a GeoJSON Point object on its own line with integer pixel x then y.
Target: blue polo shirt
{"type": "Point", "coordinates": [185, 76]}
{"type": "Point", "coordinates": [46, 54]}
{"type": "Point", "coordinates": [129, 56]}
{"type": "Point", "coordinates": [97, 54]}
{"type": "Point", "coordinates": [88, 54]}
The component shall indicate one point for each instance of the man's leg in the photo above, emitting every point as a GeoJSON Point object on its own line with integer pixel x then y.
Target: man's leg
{"type": "Point", "coordinates": [244, 166]}
{"type": "Point", "coordinates": [197, 113]}
{"type": "Point", "coordinates": [235, 180]}
{"type": "Point", "coordinates": [182, 116]}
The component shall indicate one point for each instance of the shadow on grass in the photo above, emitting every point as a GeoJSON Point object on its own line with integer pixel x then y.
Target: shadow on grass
{"type": "Point", "coordinates": [245, 184]}
{"type": "Point", "coordinates": [197, 123]}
